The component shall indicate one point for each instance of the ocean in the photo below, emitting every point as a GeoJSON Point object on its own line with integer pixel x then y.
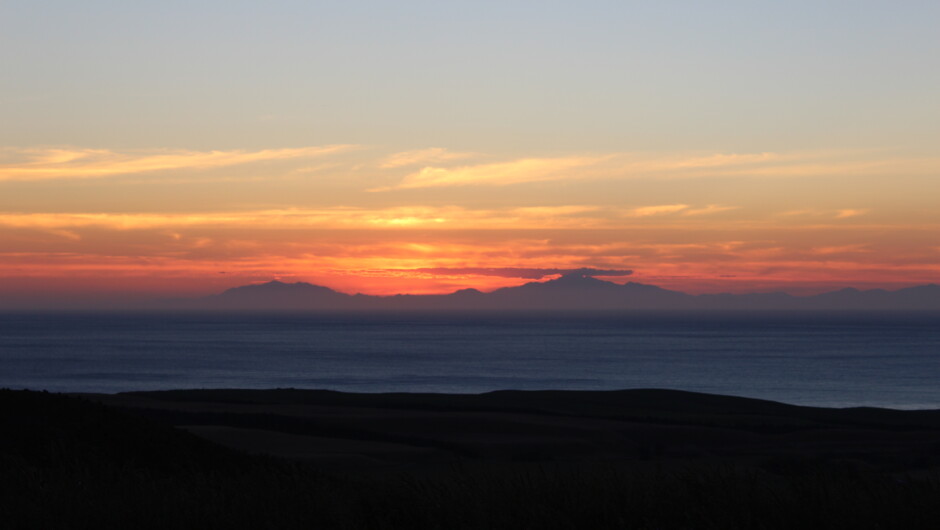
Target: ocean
{"type": "Point", "coordinates": [833, 360]}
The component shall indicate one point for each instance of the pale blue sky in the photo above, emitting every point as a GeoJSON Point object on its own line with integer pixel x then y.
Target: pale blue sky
{"type": "Point", "coordinates": [505, 76]}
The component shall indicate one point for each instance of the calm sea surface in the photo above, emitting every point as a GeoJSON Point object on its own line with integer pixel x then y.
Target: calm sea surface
{"type": "Point", "coordinates": [888, 360]}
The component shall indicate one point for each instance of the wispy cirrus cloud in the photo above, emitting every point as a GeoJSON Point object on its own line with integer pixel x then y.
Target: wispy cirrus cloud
{"type": "Point", "coordinates": [683, 209]}
{"type": "Point", "coordinates": [431, 155]}
{"type": "Point", "coordinates": [63, 163]}
{"type": "Point", "coordinates": [337, 217]}
{"type": "Point", "coordinates": [840, 249]}
{"type": "Point", "coordinates": [497, 174]}
{"type": "Point", "coordinates": [708, 210]}
{"type": "Point", "coordinates": [344, 217]}
{"type": "Point", "coordinates": [647, 211]}
{"type": "Point", "coordinates": [844, 214]}
{"type": "Point", "coordinates": [615, 165]}
{"type": "Point", "coordinates": [666, 166]}
{"type": "Point", "coordinates": [435, 167]}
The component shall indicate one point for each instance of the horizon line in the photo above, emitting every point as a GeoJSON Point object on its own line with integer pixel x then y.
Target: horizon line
{"type": "Point", "coordinates": [347, 293]}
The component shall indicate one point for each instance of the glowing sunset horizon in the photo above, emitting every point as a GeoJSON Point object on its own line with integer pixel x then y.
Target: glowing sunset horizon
{"type": "Point", "coordinates": [413, 155]}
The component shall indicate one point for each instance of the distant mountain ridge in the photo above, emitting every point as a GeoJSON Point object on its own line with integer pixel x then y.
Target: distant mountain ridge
{"type": "Point", "coordinates": [279, 295]}
{"type": "Point", "coordinates": [569, 292]}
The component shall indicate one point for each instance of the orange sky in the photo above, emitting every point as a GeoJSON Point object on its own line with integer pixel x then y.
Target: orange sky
{"type": "Point", "coordinates": [169, 149]}
{"type": "Point", "coordinates": [693, 248]}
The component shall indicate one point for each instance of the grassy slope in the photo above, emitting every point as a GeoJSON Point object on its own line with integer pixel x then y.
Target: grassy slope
{"type": "Point", "coordinates": [555, 426]}
{"type": "Point", "coordinates": [73, 463]}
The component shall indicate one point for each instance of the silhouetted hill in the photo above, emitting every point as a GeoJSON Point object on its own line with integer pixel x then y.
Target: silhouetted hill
{"type": "Point", "coordinates": [752, 301]}
{"type": "Point", "coordinates": [69, 463]}
{"type": "Point", "coordinates": [54, 431]}
{"type": "Point", "coordinates": [574, 291]}
{"type": "Point", "coordinates": [279, 295]}
{"type": "Point", "coordinates": [375, 431]}
{"type": "Point", "coordinates": [514, 460]}
{"type": "Point", "coordinates": [920, 297]}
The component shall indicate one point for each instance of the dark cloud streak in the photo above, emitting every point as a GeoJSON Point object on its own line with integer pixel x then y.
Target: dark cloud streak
{"type": "Point", "coordinates": [514, 272]}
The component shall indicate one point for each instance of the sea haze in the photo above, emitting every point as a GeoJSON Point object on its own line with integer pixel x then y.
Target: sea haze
{"type": "Point", "coordinates": [833, 359]}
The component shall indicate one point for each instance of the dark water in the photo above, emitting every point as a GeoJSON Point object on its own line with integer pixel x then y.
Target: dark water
{"type": "Point", "coordinates": [890, 360]}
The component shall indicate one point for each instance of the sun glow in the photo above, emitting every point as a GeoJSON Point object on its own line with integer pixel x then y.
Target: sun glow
{"type": "Point", "coordinates": [414, 236]}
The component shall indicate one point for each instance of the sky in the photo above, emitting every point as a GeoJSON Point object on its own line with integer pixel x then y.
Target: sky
{"type": "Point", "coordinates": [180, 148]}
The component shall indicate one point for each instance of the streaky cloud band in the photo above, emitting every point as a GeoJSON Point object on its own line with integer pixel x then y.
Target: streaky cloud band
{"type": "Point", "coordinates": [517, 272]}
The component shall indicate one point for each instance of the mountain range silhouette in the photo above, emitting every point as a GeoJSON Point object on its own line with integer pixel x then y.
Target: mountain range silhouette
{"type": "Point", "coordinates": [574, 291]}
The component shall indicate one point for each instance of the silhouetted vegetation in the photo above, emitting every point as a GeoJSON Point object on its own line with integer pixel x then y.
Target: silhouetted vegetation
{"type": "Point", "coordinates": [71, 463]}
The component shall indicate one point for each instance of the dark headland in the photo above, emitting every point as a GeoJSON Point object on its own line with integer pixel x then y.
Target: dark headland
{"type": "Point", "coordinates": [290, 458]}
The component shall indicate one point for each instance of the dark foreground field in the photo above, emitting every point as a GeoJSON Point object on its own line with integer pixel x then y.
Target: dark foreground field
{"type": "Point", "coordinates": [317, 459]}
